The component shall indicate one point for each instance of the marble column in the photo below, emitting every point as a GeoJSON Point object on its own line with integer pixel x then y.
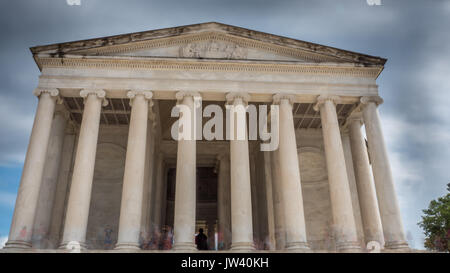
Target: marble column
{"type": "Point", "coordinates": [61, 192]}
{"type": "Point", "coordinates": [344, 225]}
{"type": "Point", "coordinates": [149, 178]}
{"type": "Point", "coordinates": [254, 191]}
{"type": "Point", "coordinates": [44, 207]}
{"type": "Point", "coordinates": [289, 182]}
{"type": "Point", "coordinates": [391, 221]}
{"type": "Point", "coordinates": [27, 198]}
{"type": "Point", "coordinates": [280, 232]}
{"type": "Point", "coordinates": [211, 234]}
{"type": "Point", "coordinates": [370, 214]}
{"type": "Point", "coordinates": [159, 190]}
{"type": "Point", "coordinates": [164, 220]}
{"type": "Point", "coordinates": [241, 203]}
{"type": "Point", "coordinates": [223, 202]}
{"type": "Point", "coordinates": [185, 185]}
{"type": "Point", "coordinates": [77, 212]}
{"type": "Point", "coordinates": [271, 242]}
{"type": "Point", "coordinates": [133, 180]}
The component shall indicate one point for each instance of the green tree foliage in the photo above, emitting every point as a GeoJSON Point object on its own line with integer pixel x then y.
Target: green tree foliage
{"type": "Point", "coordinates": [436, 223]}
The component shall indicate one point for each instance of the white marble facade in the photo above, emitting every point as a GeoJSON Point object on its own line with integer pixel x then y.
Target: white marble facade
{"type": "Point", "coordinates": [100, 170]}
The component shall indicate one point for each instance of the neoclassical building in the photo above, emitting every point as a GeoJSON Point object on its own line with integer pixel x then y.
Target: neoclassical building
{"type": "Point", "coordinates": [103, 171]}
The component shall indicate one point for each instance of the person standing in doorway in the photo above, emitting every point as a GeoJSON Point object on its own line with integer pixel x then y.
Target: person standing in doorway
{"type": "Point", "coordinates": [201, 240]}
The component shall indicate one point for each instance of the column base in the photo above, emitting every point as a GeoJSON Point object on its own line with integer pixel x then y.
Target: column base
{"type": "Point", "coordinates": [243, 246]}
{"type": "Point", "coordinates": [348, 247]}
{"type": "Point", "coordinates": [184, 247]}
{"type": "Point", "coordinates": [17, 244]}
{"type": "Point", "coordinates": [127, 246]}
{"type": "Point", "coordinates": [72, 246]}
{"type": "Point", "coordinates": [297, 247]}
{"type": "Point", "coordinates": [397, 245]}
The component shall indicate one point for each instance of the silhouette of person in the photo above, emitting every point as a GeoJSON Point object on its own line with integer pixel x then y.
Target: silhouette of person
{"type": "Point", "coordinates": [201, 240]}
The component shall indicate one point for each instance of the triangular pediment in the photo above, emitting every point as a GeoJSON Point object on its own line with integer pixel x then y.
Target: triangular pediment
{"type": "Point", "coordinates": [208, 41]}
{"type": "Point", "coordinates": [207, 45]}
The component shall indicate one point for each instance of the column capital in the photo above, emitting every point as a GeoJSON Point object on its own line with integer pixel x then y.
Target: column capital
{"type": "Point", "coordinates": [152, 116]}
{"type": "Point", "coordinates": [161, 155]}
{"type": "Point", "coordinates": [181, 94]}
{"type": "Point", "coordinates": [223, 156]}
{"type": "Point", "coordinates": [344, 131]}
{"type": "Point", "coordinates": [368, 99]}
{"type": "Point", "coordinates": [148, 95]}
{"type": "Point", "coordinates": [101, 94]}
{"type": "Point", "coordinates": [355, 117]}
{"type": "Point", "coordinates": [70, 128]}
{"type": "Point", "coordinates": [231, 97]}
{"type": "Point", "coordinates": [323, 98]}
{"type": "Point", "coordinates": [276, 99]}
{"type": "Point", "coordinates": [61, 110]}
{"type": "Point", "coordinates": [53, 92]}
{"type": "Point", "coordinates": [220, 158]}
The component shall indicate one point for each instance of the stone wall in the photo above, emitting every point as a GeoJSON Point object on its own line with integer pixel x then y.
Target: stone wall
{"type": "Point", "coordinates": [106, 194]}
{"type": "Point", "coordinates": [316, 193]}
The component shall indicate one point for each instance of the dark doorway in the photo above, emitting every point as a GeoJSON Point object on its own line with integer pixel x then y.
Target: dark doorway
{"type": "Point", "coordinates": [206, 208]}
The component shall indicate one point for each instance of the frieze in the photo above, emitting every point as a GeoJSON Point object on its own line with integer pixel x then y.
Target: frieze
{"type": "Point", "coordinates": [367, 72]}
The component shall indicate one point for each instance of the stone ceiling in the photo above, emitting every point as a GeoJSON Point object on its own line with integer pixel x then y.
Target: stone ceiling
{"type": "Point", "coordinates": [118, 111]}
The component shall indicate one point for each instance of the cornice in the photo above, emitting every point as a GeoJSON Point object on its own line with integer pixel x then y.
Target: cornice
{"type": "Point", "coordinates": [196, 29]}
{"type": "Point", "coordinates": [230, 66]}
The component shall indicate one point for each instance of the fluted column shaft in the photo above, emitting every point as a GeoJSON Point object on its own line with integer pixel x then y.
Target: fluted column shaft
{"type": "Point", "coordinates": [373, 230]}
{"type": "Point", "coordinates": [280, 232]}
{"type": "Point", "coordinates": [83, 172]}
{"type": "Point", "coordinates": [241, 194]}
{"type": "Point", "coordinates": [30, 183]}
{"type": "Point", "coordinates": [159, 188]}
{"type": "Point", "coordinates": [61, 191]}
{"type": "Point", "coordinates": [394, 235]}
{"type": "Point", "coordinates": [271, 238]}
{"type": "Point", "coordinates": [44, 207]}
{"type": "Point", "coordinates": [223, 203]}
{"type": "Point", "coordinates": [343, 220]}
{"type": "Point", "coordinates": [133, 181]}
{"type": "Point", "coordinates": [290, 186]}
{"type": "Point", "coordinates": [186, 176]}
{"type": "Point", "coordinates": [211, 234]}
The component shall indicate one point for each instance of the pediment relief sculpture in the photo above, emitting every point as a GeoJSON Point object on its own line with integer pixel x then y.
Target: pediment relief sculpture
{"type": "Point", "coordinates": [213, 49]}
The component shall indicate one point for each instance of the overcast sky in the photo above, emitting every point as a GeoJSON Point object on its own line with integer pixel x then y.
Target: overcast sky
{"type": "Point", "coordinates": [413, 35]}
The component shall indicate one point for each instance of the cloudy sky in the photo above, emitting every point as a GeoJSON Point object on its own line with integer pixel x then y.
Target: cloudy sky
{"type": "Point", "coordinates": [414, 35]}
